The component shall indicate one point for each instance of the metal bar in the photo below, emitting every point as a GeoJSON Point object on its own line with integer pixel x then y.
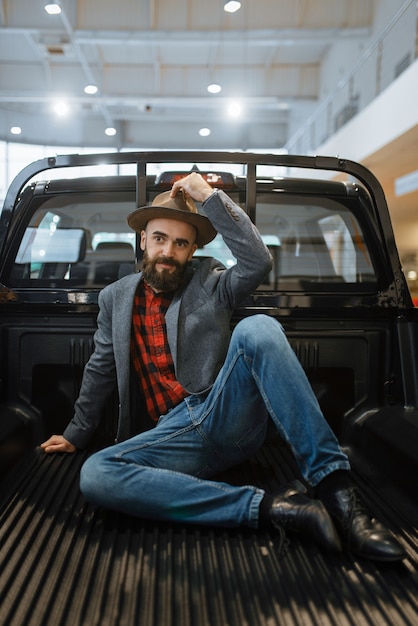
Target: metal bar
{"type": "Point", "coordinates": [251, 190]}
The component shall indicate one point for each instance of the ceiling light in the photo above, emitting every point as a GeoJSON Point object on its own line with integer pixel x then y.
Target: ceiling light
{"type": "Point", "coordinates": [61, 108]}
{"type": "Point", "coordinates": [90, 89]}
{"type": "Point", "coordinates": [204, 132]}
{"type": "Point", "coordinates": [53, 8]}
{"type": "Point", "coordinates": [232, 6]}
{"type": "Point", "coordinates": [214, 88]}
{"type": "Point", "coordinates": [235, 109]}
{"type": "Point", "coordinates": [412, 275]}
{"type": "Point", "coordinates": [110, 131]}
{"type": "Point", "coordinates": [15, 130]}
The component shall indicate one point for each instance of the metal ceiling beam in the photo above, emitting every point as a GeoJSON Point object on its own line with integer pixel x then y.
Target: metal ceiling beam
{"type": "Point", "coordinates": [178, 101]}
{"type": "Point", "coordinates": [259, 37]}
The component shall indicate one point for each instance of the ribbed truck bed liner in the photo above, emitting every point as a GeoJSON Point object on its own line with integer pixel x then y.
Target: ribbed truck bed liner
{"type": "Point", "coordinates": [65, 563]}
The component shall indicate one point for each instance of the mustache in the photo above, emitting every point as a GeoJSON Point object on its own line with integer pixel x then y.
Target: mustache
{"type": "Point", "coordinates": [166, 261]}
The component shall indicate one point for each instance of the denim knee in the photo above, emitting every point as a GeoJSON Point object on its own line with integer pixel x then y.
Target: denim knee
{"type": "Point", "coordinates": [263, 328]}
{"type": "Point", "coordinates": [91, 477]}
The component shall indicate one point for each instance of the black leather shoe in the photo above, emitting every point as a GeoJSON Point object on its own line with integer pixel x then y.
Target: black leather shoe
{"type": "Point", "coordinates": [292, 511]}
{"type": "Point", "coordinates": [360, 533]}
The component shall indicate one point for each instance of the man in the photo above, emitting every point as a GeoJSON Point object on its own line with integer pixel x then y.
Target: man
{"type": "Point", "coordinates": [208, 395]}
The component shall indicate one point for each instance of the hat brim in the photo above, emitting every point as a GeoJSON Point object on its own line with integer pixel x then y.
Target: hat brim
{"type": "Point", "coordinates": [139, 218]}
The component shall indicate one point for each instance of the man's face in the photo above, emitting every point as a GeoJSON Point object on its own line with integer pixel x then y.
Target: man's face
{"type": "Point", "coordinates": [168, 245]}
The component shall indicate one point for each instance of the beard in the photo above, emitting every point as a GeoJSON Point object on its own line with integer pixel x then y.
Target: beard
{"type": "Point", "coordinates": [165, 280]}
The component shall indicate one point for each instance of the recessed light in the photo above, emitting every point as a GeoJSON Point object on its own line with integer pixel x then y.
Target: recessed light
{"type": "Point", "coordinates": [90, 89]}
{"type": "Point", "coordinates": [61, 108]}
{"type": "Point", "coordinates": [232, 6]}
{"type": "Point", "coordinates": [15, 130]}
{"type": "Point", "coordinates": [214, 88]}
{"type": "Point", "coordinates": [53, 8]}
{"type": "Point", "coordinates": [235, 109]}
{"type": "Point", "coordinates": [204, 132]}
{"type": "Point", "coordinates": [110, 131]}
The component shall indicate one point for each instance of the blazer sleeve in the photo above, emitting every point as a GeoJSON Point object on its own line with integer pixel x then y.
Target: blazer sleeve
{"type": "Point", "coordinates": [254, 260]}
{"type": "Point", "coordinates": [99, 379]}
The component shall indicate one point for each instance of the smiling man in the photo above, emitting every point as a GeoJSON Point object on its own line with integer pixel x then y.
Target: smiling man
{"type": "Point", "coordinates": [168, 245]}
{"type": "Point", "coordinates": [207, 394]}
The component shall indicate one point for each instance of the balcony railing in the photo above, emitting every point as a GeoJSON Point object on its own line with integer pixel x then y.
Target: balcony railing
{"type": "Point", "coordinates": [382, 62]}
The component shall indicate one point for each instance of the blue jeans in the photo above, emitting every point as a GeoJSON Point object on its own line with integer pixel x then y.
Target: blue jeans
{"type": "Point", "coordinates": [164, 473]}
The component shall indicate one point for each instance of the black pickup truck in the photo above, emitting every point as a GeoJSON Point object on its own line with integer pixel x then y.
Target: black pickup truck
{"type": "Point", "coordinates": [337, 287]}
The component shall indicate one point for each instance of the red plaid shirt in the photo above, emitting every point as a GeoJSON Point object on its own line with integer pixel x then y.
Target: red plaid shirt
{"type": "Point", "coordinates": [150, 352]}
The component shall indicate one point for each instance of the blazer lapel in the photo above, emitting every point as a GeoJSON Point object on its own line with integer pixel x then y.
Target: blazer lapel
{"type": "Point", "coordinates": [172, 316]}
{"type": "Point", "coordinates": [122, 321]}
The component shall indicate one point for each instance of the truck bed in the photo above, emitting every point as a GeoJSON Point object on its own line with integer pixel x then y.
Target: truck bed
{"type": "Point", "coordinates": [338, 288]}
{"type": "Point", "coordinates": [65, 562]}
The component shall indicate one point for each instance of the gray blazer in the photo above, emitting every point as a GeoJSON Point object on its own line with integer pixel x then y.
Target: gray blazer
{"type": "Point", "coordinates": [198, 323]}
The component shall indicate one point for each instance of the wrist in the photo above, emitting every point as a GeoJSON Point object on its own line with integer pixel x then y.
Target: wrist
{"type": "Point", "coordinates": [211, 195]}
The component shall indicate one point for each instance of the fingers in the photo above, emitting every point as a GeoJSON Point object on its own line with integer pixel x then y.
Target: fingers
{"type": "Point", "coordinates": [178, 185]}
{"type": "Point", "coordinates": [57, 447]}
{"type": "Point", "coordinates": [193, 184]}
{"type": "Point", "coordinates": [55, 439]}
{"type": "Point", "coordinates": [183, 183]}
{"type": "Point", "coordinates": [57, 443]}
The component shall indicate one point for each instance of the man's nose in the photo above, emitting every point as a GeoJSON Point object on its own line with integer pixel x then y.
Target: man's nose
{"type": "Point", "coordinates": [168, 250]}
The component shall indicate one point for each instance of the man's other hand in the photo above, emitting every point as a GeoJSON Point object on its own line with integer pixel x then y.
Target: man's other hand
{"type": "Point", "coordinates": [195, 185]}
{"type": "Point", "coordinates": [57, 443]}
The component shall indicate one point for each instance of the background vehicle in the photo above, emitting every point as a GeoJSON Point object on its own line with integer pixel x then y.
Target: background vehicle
{"type": "Point", "coordinates": [338, 289]}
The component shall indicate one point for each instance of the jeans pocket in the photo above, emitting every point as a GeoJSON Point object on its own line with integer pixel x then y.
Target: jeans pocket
{"type": "Point", "coordinates": [206, 472]}
{"type": "Point", "coordinates": [253, 439]}
{"type": "Point", "coordinates": [196, 409]}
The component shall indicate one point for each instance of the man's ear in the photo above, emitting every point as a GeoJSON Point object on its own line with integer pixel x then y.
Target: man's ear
{"type": "Point", "coordinates": [143, 239]}
{"type": "Point", "coordinates": [192, 251]}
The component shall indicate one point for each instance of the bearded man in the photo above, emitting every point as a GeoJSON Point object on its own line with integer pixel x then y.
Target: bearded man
{"type": "Point", "coordinates": [207, 394]}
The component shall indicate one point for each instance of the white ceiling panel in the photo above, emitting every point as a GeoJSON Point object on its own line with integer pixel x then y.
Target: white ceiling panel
{"type": "Point", "coordinates": [155, 58]}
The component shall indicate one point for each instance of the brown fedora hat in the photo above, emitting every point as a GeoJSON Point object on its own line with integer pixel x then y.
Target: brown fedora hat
{"type": "Point", "coordinates": [178, 208]}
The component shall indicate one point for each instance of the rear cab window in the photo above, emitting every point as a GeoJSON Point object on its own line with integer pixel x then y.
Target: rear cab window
{"type": "Point", "coordinates": [318, 238]}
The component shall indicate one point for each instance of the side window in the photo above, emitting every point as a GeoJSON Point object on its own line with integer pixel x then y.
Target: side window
{"type": "Point", "coordinates": [319, 245]}
{"type": "Point", "coordinates": [76, 240]}
{"type": "Point", "coordinates": [47, 251]}
{"type": "Point", "coordinates": [347, 248]}
{"type": "Point", "coordinates": [121, 240]}
{"type": "Point", "coordinates": [340, 246]}
{"type": "Point", "coordinates": [218, 249]}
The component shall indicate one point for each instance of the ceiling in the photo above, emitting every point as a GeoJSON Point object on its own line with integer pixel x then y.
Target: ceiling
{"type": "Point", "coordinates": [152, 61]}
